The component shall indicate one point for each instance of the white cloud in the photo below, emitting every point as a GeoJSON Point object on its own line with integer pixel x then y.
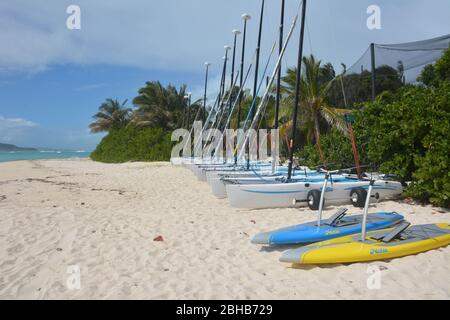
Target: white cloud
{"type": "Point", "coordinates": [168, 34]}
{"type": "Point", "coordinates": [26, 133]}
{"type": "Point", "coordinates": [181, 35]}
{"type": "Point", "coordinates": [12, 123]}
{"type": "Point", "coordinates": [14, 128]}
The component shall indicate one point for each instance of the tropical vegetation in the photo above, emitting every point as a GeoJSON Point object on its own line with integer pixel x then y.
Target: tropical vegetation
{"type": "Point", "coordinates": [130, 143]}
{"type": "Point", "coordinates": [141, 133]}
{"type": "Point", "coordinates": [404, 131]}
{"type": "Point", "coordinates": [111, 114]}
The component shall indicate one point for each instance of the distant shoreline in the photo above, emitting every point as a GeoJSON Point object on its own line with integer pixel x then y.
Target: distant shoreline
{"type": "Point", "coordinates": [11, 156]}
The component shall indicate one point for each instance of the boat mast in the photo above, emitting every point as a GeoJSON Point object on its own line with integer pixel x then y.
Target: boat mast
{"type": "Point", "coordinates": [255, 84]}
{"type": "Point", "coordinates": [224, 73]}
{"type": "Point", "coordinates": [263, 100]}
{"type": "Point", "coordinates": [220, 97]}
{"type": "Point", "coordinates": [278, 93]}
{"type": "Point", "coordinates": [373, 78]}
{"type": "Point", "coordinates": [221, 108]}
{"type": "Point", "coordinates": [278, 97]}
{"type": "Point", "coordinates": [219, 101]}
{"type": "Point", "coordinates": [245, 17]}
{"type": "Point", "coordinates": [207, 64]}
{"type": "Point", "coordinates": [187, 99]}
{"type": "Point", "coordinates": [258, 52]}
{"type": "Point", "coordinates": [236, 33]}
{"type": "Point", "coordinates": [297, 90]}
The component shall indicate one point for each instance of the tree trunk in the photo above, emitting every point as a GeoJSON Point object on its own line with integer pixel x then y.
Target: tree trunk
{"type": "Point", "coordinates": [317, 134]}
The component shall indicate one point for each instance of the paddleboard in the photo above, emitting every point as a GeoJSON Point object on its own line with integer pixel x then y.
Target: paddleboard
{"type": "Point", "coordinates": [337, 226]}
{"type": "Point", "coordinates": [350, 249]}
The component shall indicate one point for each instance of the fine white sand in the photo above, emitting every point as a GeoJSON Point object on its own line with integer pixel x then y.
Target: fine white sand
{"type": "Point", "coordinates": [104, 218]}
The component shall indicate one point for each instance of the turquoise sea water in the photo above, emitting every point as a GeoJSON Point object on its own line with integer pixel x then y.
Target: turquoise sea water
{"type": "Point", "coordinates": [41, 155]}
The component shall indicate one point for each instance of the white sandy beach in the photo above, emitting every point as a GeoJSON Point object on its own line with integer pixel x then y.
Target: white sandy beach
{"type": "Point", "coordinates": [103, 218]}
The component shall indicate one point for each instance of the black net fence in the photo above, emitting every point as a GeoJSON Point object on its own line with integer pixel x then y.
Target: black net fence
{"type": "Point", "coordinates": [411, 56]}
{"type": "Point", "coordinates": [394, 64]}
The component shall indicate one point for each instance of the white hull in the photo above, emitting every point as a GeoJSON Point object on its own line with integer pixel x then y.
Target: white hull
{"type": "Point", "coordinates": [218, 183]}
{"type": "Point", "coordinates": [281, 195]}
{"type": "Point", "coordinates": [202, 172]}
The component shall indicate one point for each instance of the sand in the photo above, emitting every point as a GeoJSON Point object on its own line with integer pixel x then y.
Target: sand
{"type": "Point", "coordinates": [66, 223]}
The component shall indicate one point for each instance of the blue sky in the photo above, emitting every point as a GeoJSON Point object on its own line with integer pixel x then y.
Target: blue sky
{"type": "Point", "coordinates": [52, 79]}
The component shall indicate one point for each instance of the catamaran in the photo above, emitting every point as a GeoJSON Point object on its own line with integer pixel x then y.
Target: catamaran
{"type": "Point", "coordinates": [289, 191]}
{"type": "Point", "coordinates": [339, 225]}
{"type": "Point", "coordinates": [368, 245]}
{"type": "Point", "coordinates": [263, 184]}
{"type": "Point", "coordinates": [292, 193]}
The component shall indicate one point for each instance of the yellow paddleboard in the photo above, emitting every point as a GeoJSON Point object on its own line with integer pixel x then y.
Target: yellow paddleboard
{"type": "Point", "coordinates": [413, 240]}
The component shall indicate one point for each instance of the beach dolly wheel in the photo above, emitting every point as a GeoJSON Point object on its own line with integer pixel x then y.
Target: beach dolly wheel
{"type": "Point", "coordinates": [358, 197]}
{"type": "Point", "coordinates": [314, 199]}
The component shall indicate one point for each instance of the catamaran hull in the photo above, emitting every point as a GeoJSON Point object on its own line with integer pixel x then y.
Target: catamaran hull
{"type": "Point", "coordinates": [261, 168]}
{"type": "Point", "coordinates": [201, 171]}
{"type": "Point", "coordinates": [177, 161]}
{"type": "Point", "coordinates": [218, 184]}
{"type": "Point", "coordinates": [219, 180]}
{"type": "Point", "coordinates": [282, 195]}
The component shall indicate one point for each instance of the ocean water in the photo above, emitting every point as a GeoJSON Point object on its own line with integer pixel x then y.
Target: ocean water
{"type": "Point", "coordinates": [6, 156]}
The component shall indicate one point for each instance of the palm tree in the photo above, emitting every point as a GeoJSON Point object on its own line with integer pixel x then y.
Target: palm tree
{"type": "Point", "coordinates": [111, 114]}
{"type": "Point", "coordinates": [315, 84]}
{"type": "Point", "coordinates": [159, 106]}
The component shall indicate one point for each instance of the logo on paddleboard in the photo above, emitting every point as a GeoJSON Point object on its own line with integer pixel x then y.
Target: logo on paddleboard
{"type": "Point", "coordinates": [378, 251]}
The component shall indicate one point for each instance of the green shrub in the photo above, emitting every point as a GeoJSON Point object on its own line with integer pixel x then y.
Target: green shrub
{"type": "Point", "coordinates": [405, 133]}
{"type": "Point", "coordinates": [434, 74]}
{"type": "Point", "coordinates": [337, 149]}
{"type": "Point", "coordinates": [134, 144]}
{"type": "Point", "coordinates": [408, 133]}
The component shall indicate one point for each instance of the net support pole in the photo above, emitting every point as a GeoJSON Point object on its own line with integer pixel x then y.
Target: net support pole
{"type": "Point", "coordinates": [372, 59]}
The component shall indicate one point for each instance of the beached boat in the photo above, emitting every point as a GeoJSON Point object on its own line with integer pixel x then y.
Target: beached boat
{"type": "Point", "coordinates": [378, 245]}
{"type": "Point", "coordinates": [219, 182]}
{"type": "Point", "coordinates": [337, 226]}
{"type": "Point", "coordinates": [285, 194]}
{"type": "Point", "coordinates": [397, 242]}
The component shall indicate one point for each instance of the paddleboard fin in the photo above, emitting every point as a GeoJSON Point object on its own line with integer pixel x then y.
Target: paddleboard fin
{"type": "Point", "coordinates": [395, 233]}
{"type": "Point", "coordinates": [334, 220]}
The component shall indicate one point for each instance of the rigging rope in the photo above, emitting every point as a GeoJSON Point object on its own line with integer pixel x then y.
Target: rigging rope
{"type": "Point", "coordinates": [274, 74]}
{"type": "Point", "coordinates": [237, 100]}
